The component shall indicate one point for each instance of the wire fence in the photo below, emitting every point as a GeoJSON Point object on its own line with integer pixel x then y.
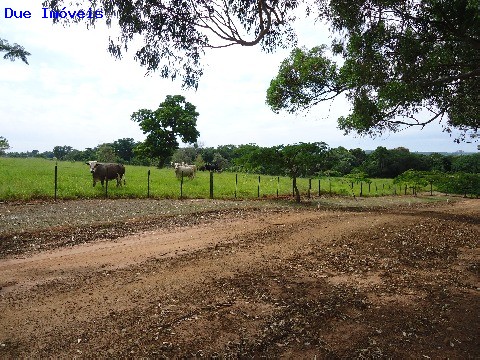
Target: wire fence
{"type": "Point", "coordinates": [222, 185]}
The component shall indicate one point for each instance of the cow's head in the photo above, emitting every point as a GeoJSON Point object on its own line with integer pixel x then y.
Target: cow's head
{"type": "Point", "coordinates": [92, 165]}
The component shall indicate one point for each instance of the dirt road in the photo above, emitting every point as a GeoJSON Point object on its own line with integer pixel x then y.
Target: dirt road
{"type": "Point", "coordinates": [294, 283]}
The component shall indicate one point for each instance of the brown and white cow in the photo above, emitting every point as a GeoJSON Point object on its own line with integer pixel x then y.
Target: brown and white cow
{"type": "Point", "coordinates": [106, 171]}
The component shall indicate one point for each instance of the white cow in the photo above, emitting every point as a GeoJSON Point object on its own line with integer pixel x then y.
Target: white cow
{"type": "Point", "coordinates": [194, 167]}
{"type": "Point", "coordinates": [184, 171]}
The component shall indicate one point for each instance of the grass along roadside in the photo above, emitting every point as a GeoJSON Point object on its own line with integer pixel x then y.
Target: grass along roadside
{"type": "Point", "coordinates": [34, 178]}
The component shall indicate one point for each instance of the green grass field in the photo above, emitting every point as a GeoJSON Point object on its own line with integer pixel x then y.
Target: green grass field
{"type": "Point", "coordinates": [32, 178]}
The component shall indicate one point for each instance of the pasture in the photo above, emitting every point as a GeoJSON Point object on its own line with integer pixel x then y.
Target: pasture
{"type": "Point", "coordinates": [230, 279]}
{"type": "Point", "coordinates": [34, 178]}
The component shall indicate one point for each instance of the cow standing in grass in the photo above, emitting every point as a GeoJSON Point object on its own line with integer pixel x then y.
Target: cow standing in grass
{"type": "Point", "coordinates": [186, 171]}
{"type": "Point", "coordinates": [106, 171]}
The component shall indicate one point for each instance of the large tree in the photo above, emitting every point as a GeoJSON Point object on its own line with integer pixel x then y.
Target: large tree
{"type": "Point", "coordinates": [124, 148]}
{"type": "Point", "coordinates": [174, 118]}
{"type": "Point", "coordinates": [403, 64]}
{"type": "Point", "coordinates": [106, 153]}
{"type": "Point", "coordinates": [302, 159]}
{"type": "Point", "coordinates": [399, 58]}
{"type": "Point", "coordinates": [176, 32]}
{"type": "Point", "coordinates": [61, 151]}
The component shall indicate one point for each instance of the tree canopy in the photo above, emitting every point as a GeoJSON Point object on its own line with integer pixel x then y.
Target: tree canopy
{"type": "Point", "coordinates": [403, 64]}
{"type": "Point", "coordinates": [399, 63]}
{"type": "Point", "coordinates": [176, 32]}
{"type": "Point", "coordinates": [61, 151]}
{"type": "Point", "coordinates": [175, 117]}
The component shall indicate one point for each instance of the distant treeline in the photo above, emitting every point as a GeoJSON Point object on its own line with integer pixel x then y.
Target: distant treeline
{"type": "Point", "coordinates": [323, 160]}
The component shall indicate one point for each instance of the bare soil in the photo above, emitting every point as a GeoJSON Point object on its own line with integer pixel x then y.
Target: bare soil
{"type": "Point", "coordinates": [238, 280]}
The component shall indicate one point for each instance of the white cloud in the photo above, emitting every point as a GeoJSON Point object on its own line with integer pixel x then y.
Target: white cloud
{"type": "Point", "coordinates": [74, 93]}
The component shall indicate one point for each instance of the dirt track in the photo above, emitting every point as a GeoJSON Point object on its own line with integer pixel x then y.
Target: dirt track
{"type": "Point", "coordinates": [294, 283]}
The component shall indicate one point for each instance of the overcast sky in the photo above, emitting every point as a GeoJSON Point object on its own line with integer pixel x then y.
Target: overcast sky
{"type": "Point", "coordinates": [74, 93]}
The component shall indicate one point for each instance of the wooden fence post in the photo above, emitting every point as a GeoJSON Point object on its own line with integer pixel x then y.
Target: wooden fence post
{"type": "Point", "coordinates": [236, 185]}
{"type": "Point", "coordinates": [181, 187]}
{"type": "Point", "coordinates": [258, 187]}
{"type": "Point", "coordinates": [278, 184]}
{"type": "Point", "coordinates": [211, 184]}
{"type": "Point", "coordinates": [56, 173]}
{"type": "Point", "coordinates": [148, 184]}
{"type": "Point", "coordinates": [106, 182]}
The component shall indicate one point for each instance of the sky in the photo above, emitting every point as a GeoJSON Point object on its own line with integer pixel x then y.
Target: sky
{"type": "Point", "coordinates": [74, 93]}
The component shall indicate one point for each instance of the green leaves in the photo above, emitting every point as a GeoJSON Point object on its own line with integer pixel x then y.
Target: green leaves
{"type": "Point", "coordinates": [305, 78]}
{"type": "Point", "coordinates": [404, 64]}
{"type": "Point", "coordinates": [175, 117]}
{"type": "Point", "coordinates": [299, 158]}
{"type": "Point", "coordinates": [456, 183]}
{"type": "Point", "coordinates": [175, 33]}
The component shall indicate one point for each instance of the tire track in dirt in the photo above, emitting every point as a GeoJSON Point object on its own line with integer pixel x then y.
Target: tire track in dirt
{"type": "Point", "coordinates": [52, 289]}
{"type": "Point", "coordinates": [86, 299]}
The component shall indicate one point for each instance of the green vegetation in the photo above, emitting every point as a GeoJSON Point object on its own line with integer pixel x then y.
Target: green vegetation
{"type": "Point", "coordinates": [34, 178]}
{"type": "Point", "coordinates": [397, 57]}
{"type": "Point", "coordinates": [334, 170]}
{"type": "Point", "coordinates": [174, 119]}
{"type": "Point", "coordinates": [312, 160]}
{"type": "Point", "coordinates": [394, 60]}
{"type": "Point", "coordinates": [453, 183]}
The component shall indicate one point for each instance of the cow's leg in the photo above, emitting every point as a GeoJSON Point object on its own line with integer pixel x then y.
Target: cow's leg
{"type": "Point", "coordinates": [119, 180]}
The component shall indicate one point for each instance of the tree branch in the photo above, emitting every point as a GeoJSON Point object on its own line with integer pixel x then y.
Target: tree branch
{"type": "Point", "coordinates": [224, 26]}
{"type": "Point", "coordinates": [447, 79]}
